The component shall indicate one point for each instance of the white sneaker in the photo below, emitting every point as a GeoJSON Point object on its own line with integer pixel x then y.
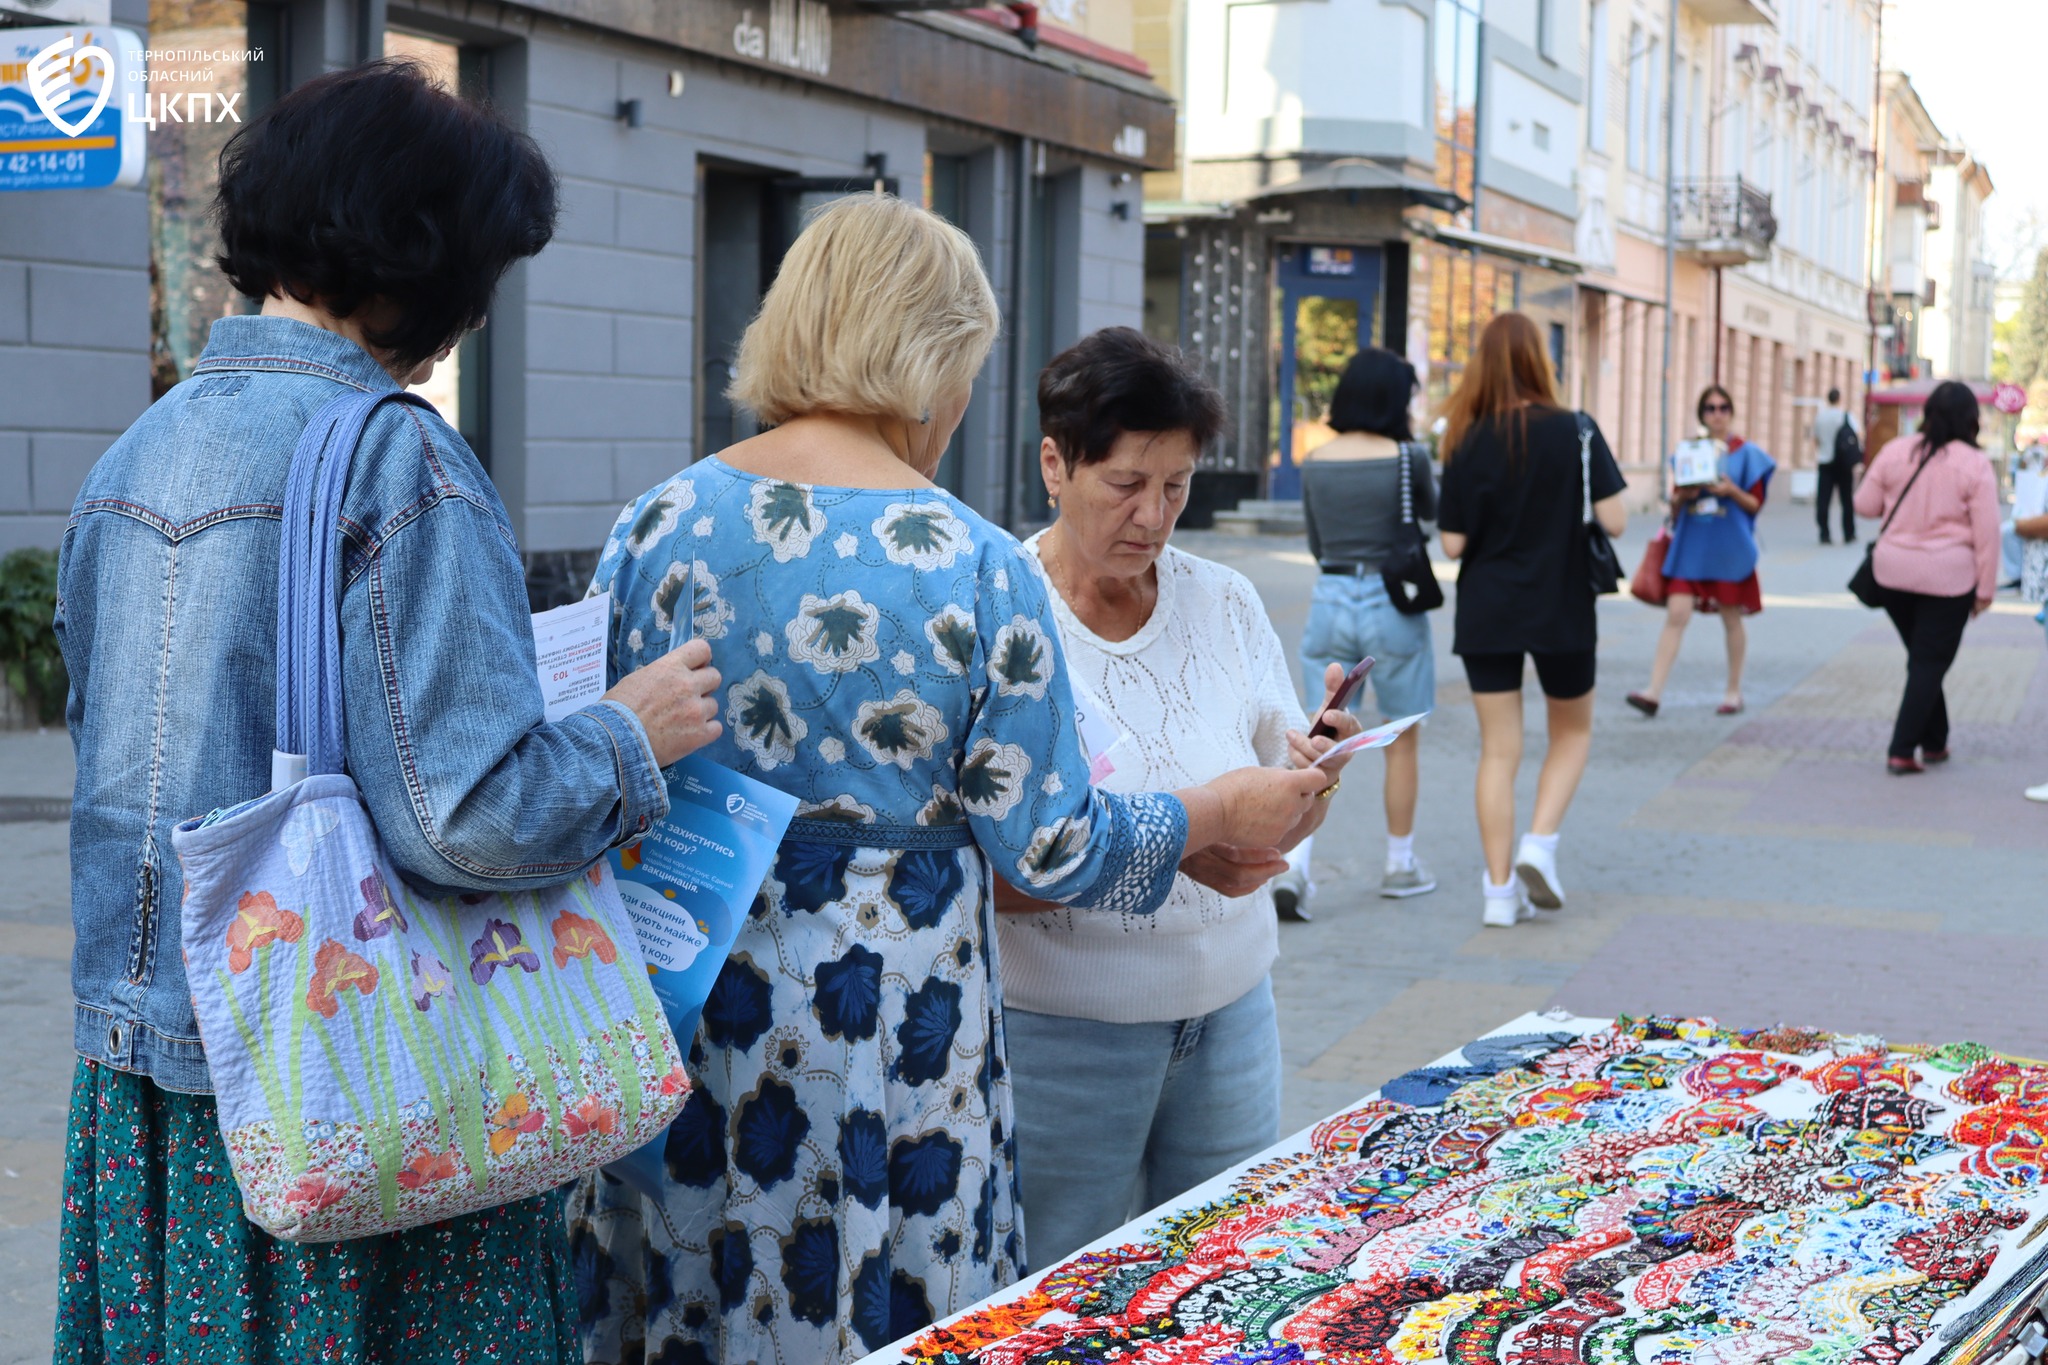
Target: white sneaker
{"type": "Point", "coordinates": [1504, 912]}
{"type": "Point", "coordinates": [1291, 892]}
{"type": "Point", "coordinates": [2039, 793]}
{"type": "Point", "coordinates": [1536, 866]}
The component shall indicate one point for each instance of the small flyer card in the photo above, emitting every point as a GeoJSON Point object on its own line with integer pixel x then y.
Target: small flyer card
{"type": "Point", "coordinates": [1379, 737]}
{"type": "Point", "coordinates": [1695, 463]}
{"type": "Point", "coordinates": [569, 654]}
{"type": "Point", "coordinates": [1099, 735]}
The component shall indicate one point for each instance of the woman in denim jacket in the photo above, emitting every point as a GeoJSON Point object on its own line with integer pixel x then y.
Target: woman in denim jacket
{"type": "Point", "coordinates": [372, 215]}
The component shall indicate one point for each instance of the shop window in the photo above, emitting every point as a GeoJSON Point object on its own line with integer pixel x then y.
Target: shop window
{"type": "Point", "coordinates": [459, 386]}
{"type": "Point", "coordinates": [1325, 339]}
{"type": "Point", "coordinates": [237, 66]}
{"type": "Point", "coordinates": [945, 187]}
{"type": "Point", "coordinates": [1442, 378]}
{"type": "Point", "coordinates": [945, 193]}
{"type": "Point", "coordinates": [1164, 253]}
{"type": "Point", "coordinates": [1466, 291]}
{"type": "Point", "coordinates": [1457, 95]}
{"type": "Point", "coordinates": [1464, 309]}
{"type": "Point", "coordinates": [751, 217]}
{"type": "Point", "coordinates": [735, 231]}
{"type": "Point", "coordinates": [1047, 315]}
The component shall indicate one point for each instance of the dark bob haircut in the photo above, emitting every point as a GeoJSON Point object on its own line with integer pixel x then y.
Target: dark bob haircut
{"type": "Point", "coordinates": [375, 186]}
{"type": "Point", "coordinates": [1951, 414]}
{"type": "Point", "coordinates": [1373, 395]}
{"type": "Point", "coordinates": [1118, 380]}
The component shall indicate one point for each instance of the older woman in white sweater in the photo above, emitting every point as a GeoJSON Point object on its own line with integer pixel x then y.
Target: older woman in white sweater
{"type": "Point", "coordinates": [1144, 1052]}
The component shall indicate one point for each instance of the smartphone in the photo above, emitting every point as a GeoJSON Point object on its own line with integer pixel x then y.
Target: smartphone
{"type": "Point", "coordinates": [1338, 699]}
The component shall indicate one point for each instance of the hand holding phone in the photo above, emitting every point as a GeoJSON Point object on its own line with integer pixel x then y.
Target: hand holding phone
{"type": "Point", "coordinates": [1339, 697]}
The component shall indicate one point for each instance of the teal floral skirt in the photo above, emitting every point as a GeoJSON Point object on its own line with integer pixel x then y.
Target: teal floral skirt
{"type": "Point", "coordinates": [156, 1262]}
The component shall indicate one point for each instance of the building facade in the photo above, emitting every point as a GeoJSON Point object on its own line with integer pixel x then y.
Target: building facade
{"type": "Point", "coordinates": [1314, 211]}
{"type": "Point", "coordinates": [1962, 282]}
{"type": "Point", "coordinates": [1908, 143]}
{"type": "Point", "coordinates": [1770, 184]}
{"type": "Point", "coordinates": [691, 140]}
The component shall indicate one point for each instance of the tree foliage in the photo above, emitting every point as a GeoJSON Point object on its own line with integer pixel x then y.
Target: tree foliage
{"type": "Point", "coordinates": [29, 657]}
{"type": "Point", "coordinates": [2028, 347]}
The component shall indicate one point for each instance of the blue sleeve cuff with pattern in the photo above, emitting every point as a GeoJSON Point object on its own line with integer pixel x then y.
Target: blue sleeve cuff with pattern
{"type": "Point", "coordinates": [1148, 836]}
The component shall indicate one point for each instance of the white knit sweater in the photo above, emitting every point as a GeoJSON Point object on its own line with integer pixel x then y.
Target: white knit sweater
{"type": "Point", "coordinates": [1202, 688]}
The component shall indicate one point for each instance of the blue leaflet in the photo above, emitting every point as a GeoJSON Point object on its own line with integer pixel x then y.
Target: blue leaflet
{"type": "Point", "coordinates": [688, 885]}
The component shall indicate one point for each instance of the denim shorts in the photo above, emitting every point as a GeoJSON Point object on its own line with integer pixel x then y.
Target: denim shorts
{"type": "Point", "coordinates": [1349, 618]}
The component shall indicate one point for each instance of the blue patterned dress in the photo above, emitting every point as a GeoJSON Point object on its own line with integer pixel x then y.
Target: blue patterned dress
{"type": "Point", "coordinates": [845, 1170]}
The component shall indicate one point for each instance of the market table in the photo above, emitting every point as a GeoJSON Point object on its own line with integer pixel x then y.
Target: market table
{"type": "Point", "coordinates": [1570, 1189]}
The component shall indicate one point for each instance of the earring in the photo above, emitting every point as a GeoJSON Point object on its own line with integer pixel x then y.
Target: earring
{"type": "Point", "coordinates": [1052, 500]}
{"type": "Point", "coordinates": [926, 419]}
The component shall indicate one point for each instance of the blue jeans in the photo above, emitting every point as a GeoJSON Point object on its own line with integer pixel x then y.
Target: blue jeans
{"type": "Point", "coordinates": [1113, 1119]}
{"type": "Point", "coordinates": [1349, 618]}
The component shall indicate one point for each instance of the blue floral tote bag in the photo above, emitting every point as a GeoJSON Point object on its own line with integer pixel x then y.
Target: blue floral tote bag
{"type": "Point", "coordinates": [382, 1059]}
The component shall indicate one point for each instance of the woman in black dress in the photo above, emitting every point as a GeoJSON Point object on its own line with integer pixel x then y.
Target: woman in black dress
{"type": "Point", "coordinates": [1518, 468]}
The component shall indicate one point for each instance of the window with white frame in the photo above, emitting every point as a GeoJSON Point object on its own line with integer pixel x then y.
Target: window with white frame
{"type": "Point", "coordinates": [1736, 146]}
{"type": "Point", "coordinates": [1637, 112]}
{"type": "Point", "coordinates": [1596, 75]}
{"type": "Point", "coordinates": [1696, 123]}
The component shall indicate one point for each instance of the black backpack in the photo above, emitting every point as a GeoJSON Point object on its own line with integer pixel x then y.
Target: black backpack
{"type": "Point", "coordinates": [1848, 450]}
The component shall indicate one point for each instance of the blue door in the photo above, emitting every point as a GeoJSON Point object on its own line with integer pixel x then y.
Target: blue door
{"type": "Point", "coordinates": [1329, 308]}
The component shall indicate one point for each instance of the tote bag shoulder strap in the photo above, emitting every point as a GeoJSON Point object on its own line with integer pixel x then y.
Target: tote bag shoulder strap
{"type": "Point", "coordinates": [309, 714]}
{"type": "Point", "coordinates": [1887, 525]}
{"type": "Point", "coordinates": [1405, 453]}
{"type": "Point", "coordinates": [1585, 468]}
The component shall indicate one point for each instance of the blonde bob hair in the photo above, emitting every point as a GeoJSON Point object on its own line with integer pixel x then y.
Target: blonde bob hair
{"type": "Point", "coordinates": [880, 309]}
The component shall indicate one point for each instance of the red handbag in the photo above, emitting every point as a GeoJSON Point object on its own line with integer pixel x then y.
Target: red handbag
{"type": "Point", "coordinates": [1648, 583]}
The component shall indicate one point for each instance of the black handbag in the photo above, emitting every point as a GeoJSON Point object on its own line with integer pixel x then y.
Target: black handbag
{"type": "Point", "coordinates": [1863, 583]}
{"type": "Point", "coordinates": [1602, 564]}
{"type": "Point", "coordinates": [1407, 572]}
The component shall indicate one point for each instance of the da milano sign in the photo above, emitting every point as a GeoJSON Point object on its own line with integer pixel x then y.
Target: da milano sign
{"type": "Point", "coordinates": [61, 106]}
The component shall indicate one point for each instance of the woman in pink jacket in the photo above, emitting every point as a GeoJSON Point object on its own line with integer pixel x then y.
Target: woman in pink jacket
{"type": "Point", "coordinates": [1937, 559]}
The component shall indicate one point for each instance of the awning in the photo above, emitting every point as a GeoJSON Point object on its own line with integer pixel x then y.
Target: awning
{"type": "Point", "coordinates": [1182, 210]}
{"type": "Point", "coordinates": [1357, 173]}
{"type": "Point", "coordinates": [1913, 393]}
{"type": "Point", "coordinates": [1561, 261]}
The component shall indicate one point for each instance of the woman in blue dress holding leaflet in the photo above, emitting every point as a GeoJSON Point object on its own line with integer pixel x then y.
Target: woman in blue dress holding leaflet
{"type": "Point", "coordinates": [1711, 565]}
{"type": "Point", "coordinates": [844, 1171]}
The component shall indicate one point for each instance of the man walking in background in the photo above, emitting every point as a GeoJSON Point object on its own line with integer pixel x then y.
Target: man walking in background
{"type": "Point", "coordinates": [1838, 452]}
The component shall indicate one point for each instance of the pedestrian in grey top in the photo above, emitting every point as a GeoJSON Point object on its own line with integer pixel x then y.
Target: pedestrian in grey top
{"type": "Point", "coordinates": [1351, 495]}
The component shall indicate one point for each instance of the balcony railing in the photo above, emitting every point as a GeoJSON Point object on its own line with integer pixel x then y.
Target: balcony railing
{"type": "Point", "coordinates": [1722, 222]}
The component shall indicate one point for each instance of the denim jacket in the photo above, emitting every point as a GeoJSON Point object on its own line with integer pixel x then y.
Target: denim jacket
{"type": "Point", "coordinates": [167, 613]}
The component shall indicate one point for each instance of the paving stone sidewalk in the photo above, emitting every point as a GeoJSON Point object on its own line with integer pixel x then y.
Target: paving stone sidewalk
{"type": "Point", "coordinates": [1758, 867]}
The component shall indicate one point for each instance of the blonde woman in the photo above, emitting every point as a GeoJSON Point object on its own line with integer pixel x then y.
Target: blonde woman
{"type": "Point", "coordinates": [844, 1170]}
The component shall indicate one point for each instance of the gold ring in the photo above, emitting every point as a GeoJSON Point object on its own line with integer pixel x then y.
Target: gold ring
{"type": "Point", "coordinates": [1329, 791]}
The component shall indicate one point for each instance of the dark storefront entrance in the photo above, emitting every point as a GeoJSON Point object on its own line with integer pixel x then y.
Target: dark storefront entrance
{"type": "Point", "coordinates": [1329, 308]}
